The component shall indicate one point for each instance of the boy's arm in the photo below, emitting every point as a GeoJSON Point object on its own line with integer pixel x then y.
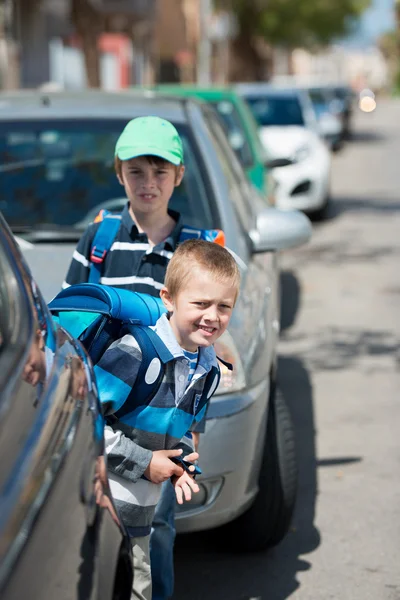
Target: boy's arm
{"type": "Point", "coordinates": [125, 458]}
{"type": "Point", "coordinates": [116, 374]}
{"type": "Point", "coordinates": [131, 461]}
{"type": "Point", "coordinates": [79, 267]}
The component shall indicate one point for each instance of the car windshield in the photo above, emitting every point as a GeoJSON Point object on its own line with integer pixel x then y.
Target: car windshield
{"type": "Point", "coordinates": [276, 110]}
{"type": "Point", "coordinates": [234, 129]}
{"type": "Point", "coordinates": [55, 174]}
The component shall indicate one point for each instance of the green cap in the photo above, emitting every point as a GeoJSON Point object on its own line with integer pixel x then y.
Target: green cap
{"type": "Point", "coordinates": [150, 136]}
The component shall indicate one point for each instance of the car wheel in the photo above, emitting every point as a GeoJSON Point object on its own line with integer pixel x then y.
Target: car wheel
{"type": "Point", "coordinates": [321, 213]}
{"type": "Point", "coordinates": [267, 521]}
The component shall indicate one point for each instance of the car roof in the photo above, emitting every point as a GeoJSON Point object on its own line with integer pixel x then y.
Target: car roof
{"type": "Point", "coordinates": [256, 89]}
{"type": "Point", "coordinates": [90, 104]}
{"type": "Point", "coordinates": [212, 93]}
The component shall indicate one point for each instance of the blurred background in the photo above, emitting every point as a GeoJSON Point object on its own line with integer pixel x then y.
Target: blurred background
{"type": "Point", "coordinates": [112, 44]}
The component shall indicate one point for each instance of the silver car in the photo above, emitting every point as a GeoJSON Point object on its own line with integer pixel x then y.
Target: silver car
{"type": "Point", "coordinates": [57, 167]}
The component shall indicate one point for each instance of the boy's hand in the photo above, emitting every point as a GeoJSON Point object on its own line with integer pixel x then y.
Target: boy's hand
{"type": "Point", "coordinates": [184, 486]}
{"type": "Point", "coordinates": [161, 467]}
{"type": "Point", "coordinates": [192, 457]}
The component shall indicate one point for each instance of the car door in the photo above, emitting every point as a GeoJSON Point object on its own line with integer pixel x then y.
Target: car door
{"type": "Point", "coordinates": [51, 443]}
{"type": "Point", "coordinates": [254, 323]}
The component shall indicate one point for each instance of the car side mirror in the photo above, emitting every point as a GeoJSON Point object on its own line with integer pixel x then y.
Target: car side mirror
{"type": "Point", "coordinates": [273, 163]}
{"type": "Point", "coordinates": [279, 230]}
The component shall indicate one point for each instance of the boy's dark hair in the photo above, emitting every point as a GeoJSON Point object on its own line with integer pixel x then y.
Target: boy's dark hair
{"type": "Point", "coordinates": [211, 257]}
{"type": "Point", "coordinates": [153, 160]}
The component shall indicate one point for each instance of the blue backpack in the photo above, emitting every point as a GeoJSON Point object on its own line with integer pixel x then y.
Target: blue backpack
{"type": "Point", "coordinates": [98, 315]}
{"type": "Point", "coordinates": [108, 229]}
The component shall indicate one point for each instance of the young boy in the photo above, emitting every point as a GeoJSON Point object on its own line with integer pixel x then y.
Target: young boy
{"type": "Point", "coordinates": [201, 286]}
{"type": "Point", "coordinates": [149, 165]}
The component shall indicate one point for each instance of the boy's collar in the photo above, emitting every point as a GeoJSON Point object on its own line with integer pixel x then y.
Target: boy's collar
{"type": "Point", "coordinates": [207, 356]}
{"type": "Point", "coordinates": [173, 238]}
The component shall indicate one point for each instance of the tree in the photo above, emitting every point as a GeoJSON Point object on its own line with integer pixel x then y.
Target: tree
{"type": "Point", "coordinates": [263, 24]}
{"type": "Point", "coordinates": [89, 23]}
{"type": "Point", "coordinates": [389, 45]}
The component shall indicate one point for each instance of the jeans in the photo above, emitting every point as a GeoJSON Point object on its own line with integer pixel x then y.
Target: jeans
{"type": "Point", "coordinates": [162, 540]}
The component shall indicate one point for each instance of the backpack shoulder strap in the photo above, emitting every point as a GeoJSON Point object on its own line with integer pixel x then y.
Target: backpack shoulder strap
{"type": "Point", "coordinates": [210, 385]}
{"type": "Point", "coordinates": [152, 368]}
{"type": "Point", "coordinates": [102, 242]}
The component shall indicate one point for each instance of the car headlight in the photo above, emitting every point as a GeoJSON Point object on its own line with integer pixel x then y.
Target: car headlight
{"type": "Point", "coordinates": [231, 381]}
{"type": "Point", "coordinates": [301, 153]}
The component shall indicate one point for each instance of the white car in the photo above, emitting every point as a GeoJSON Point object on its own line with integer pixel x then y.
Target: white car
{"type": "Point", "coordinates": [297, 154]}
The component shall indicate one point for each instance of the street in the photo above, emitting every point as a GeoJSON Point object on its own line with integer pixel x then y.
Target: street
{"type": "Point", "coordinates": [339, 370]}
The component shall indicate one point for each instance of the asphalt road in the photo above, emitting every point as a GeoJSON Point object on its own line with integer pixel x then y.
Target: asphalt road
{"type": "Point", "coordinates": [339, 370]}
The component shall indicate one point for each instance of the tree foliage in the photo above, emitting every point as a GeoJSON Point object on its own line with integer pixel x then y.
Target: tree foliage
{"type": "Point", "coordinates": [288, 23]}
{"type": "Point", "coordinates": [389, 45]}
{"type": "Point", "coordinates": [296, 22]}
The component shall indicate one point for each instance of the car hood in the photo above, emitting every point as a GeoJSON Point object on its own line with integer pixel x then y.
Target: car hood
{"type": "Point", "coordinates": [282, 142]}
{"type": "Point", "coordinates": [49, 264]}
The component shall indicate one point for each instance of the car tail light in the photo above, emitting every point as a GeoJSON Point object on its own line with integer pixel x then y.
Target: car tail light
{"type": "Point", "coordinates": [231, 381]}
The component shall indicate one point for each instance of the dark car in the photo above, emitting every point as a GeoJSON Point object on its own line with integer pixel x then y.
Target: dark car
{"type": "Point", "coordinates": [345, 95]}
{"type": "Point", "coordinates": [60, 536]}
{"type": "Point", "coordinates": [329, 111]}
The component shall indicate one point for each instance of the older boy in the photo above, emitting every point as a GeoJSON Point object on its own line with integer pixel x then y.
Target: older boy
{"type": "Point", "coordinates": [201, 286]}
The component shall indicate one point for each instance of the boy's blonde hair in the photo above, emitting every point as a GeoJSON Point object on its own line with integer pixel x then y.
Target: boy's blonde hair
{"type": "Point", "coordinates": [210, 257]}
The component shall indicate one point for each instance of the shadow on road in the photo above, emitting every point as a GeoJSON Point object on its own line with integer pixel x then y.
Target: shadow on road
{"type": "Point", "coordinates": [349, 249]}
{"type": "Point", "coordinates": [374, 204]}
{"type": "Point", "coordinates": [362, 136]}
{"type": "Point", "coordinates": [203, 572]}
{"type": "Point", "coordinates": [336, 348]}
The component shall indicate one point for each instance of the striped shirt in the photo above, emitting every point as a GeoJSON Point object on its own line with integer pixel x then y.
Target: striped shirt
{"type": "Point", "coordinates": [192, 358]}
{"type": "Point", "coordinates": [131, 262]}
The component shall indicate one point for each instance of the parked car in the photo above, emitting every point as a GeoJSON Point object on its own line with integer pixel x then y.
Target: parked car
{"type": "Point", "coordinates": [328, 110]}
{"type": "Point", "coordinates": [344, 94]}
{"type": "Point", "coordinates": [247, 453]}
{"type": "Point", "coordinates": [290, 134]}
{"type": "Point", "coordinates": [239, 123]}
{"type": "Point", "coordinates": [60, 536]}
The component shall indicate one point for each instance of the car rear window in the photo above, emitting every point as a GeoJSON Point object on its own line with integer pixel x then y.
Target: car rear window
{"type": "Point", "coordinates": [276, 110]}
{"type": "Point", "coordinates": [56, 172]}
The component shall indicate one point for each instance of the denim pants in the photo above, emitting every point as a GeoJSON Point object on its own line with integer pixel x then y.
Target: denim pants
{"type": "Point", "coordinates": [162, 540]}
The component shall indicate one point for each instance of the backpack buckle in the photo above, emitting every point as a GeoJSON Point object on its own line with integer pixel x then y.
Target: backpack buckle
{"type": "Point", "coordinates": [97, 256]}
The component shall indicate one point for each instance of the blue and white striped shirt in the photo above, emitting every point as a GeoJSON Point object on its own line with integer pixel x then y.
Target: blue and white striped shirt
{"type": "Point", "coordinates": [192, 358]}
{"type": "Point", "coordinates": [131, 262]}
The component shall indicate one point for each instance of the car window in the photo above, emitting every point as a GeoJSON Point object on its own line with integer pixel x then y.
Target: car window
{"type": "Point", "coordinates": [233, 171]}
{"type": "Point", "coordinates": [276, 110]}
{"type": "Point", "coordinates": [234, 128]}
{"type": "Point", "coordinates": [8, 310]}
{"type": "Point", "coordinates": [55, 172]}
{"type": "Point", "coordinates": [317, 96]}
